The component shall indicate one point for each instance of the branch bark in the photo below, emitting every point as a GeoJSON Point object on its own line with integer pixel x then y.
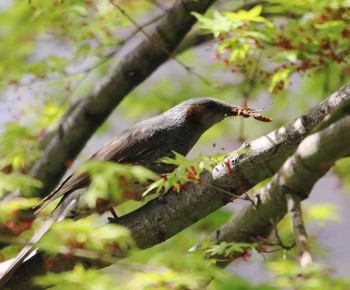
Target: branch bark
{"type": "Point", "coordinates": [84, 117]}
{"type": "Point", "coordinates": [313, 158]}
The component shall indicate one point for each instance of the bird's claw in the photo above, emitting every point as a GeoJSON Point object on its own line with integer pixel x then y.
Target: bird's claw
{"type": "Point", "coordinates": [114, 218]}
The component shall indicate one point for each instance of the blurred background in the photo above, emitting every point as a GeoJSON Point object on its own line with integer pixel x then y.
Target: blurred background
{"type": "Point", "coordinates": [53, 54]}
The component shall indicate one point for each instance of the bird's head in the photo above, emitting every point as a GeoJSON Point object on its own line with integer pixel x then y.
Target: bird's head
{"type": "Point", "coordinates": [202, 112]}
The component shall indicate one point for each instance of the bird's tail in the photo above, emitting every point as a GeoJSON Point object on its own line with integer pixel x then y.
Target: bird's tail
{"type": "Point", "coordinates": [9, 267]}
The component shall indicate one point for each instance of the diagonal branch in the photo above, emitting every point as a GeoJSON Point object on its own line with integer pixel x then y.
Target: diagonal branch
{"type": "Point", "coordinates": [313, 158]}
{"type": "Point", "coordinates": [84, 117]}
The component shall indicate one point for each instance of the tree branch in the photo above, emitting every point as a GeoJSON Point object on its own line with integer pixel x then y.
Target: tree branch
{"type": "Point", "coordinates": [313, 158]}
{"type": "Point", "coordinates": [295, 212]}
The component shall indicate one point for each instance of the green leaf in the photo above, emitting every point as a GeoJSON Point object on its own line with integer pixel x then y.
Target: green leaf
{"type": "Point", "coordinates": [251, 15]}
{"type": "Point", "coordinates": [186, 171]}
{"type": "Point", "coordinates": [219, 24]}
{"type": "Point", "coordinates": [9, 208]}
{"type": "Point", "coordinates": [323, 213]}
{"type": "Point", "coordinates": [280, 77]}
{"type": "Point", "coordinates": [87, 235]}
{"type": "Point", "coordinates": [18, 146]}
{"type": "Point", "coordinates": [226, 249]}
{"type": "Point", "coordinates": [113, 181]}
{"type": "Point", "coordinates": [16, 181]}
{"type": "Point", "coordinates": [78, 278]}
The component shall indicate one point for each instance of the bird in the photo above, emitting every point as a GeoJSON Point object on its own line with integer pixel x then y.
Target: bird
{"type": "Point", "coordinates": [145, 143]}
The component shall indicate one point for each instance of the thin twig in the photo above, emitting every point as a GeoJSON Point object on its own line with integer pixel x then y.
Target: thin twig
{"type": "Point", "coordinates": [294, 209]}
{"type": "Point", "coordinates": [242, 197]}
{"type": "Point", "coordinates": [280, 242]}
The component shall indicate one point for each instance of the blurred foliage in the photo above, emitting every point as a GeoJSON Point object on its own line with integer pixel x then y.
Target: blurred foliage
{"type": "Point", "coordinates": [342, 168]}
{"type": "Point", "coordinates": [295, 52]}
{"type": "Point", "coordinates": [303, 41]}
{"type": "Point", "coordinates": [114, 182]}
{"type": "Point", "coordinates": [290, 274]}
{"type": "Point", "coordinates": [15, 144]}
{"type": "Point", "coordinates": [103, 242]}
{"type": "Point", "coordinates": [16, 181]}
{"type": "Point", "coordinates": [64, 31]}
{"type": "Point", "coordinates": [18, 149]}
{"type": "Point", "coordinates": [11, 208]}
{"type": "Point", "coordinates": [78, 278]}
{"type": "Point", "coordinates": [323, 213]}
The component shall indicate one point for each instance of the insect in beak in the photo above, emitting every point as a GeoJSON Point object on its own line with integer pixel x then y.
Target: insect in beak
{"type": "Point", "coordinates": [247, 112]}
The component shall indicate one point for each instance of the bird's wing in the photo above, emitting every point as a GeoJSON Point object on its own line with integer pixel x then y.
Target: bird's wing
{"type": "Point", "coordinates": [71, 183]}
{"type": "Point", "coordinates": [128, 148]}
{"type": "Point", "coordinates": [131, 146]}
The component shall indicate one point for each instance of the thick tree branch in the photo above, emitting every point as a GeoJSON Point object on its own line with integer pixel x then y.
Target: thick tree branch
{"type": "Point", "coordinates": [313, 158]}
{"type": "Point", "coordinates": [82, 120]}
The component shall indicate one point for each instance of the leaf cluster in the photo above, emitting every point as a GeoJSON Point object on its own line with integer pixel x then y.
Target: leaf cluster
{"type": "Point", "coordinates": [85, 28]}
{"type": "Point", "coordinates": [114, 182]}
{"type": "Point", "coordinates": [185, 170]}
{"type": "Point", "coordinates": [86, 236]}
{"type": "Point", "coordinates": [304, 40]}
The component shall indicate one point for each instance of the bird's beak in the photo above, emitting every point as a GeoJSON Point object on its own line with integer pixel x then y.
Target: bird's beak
{"type": "Point", "coordinates": [235, 111]}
